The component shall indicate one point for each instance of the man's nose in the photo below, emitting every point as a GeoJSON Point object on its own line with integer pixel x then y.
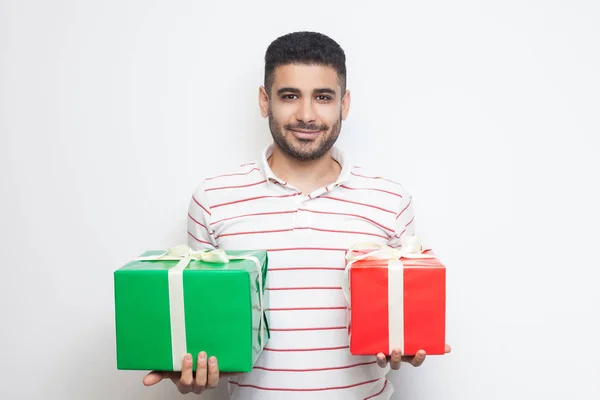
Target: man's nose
{"type": "Point", "coordinates": [306, 112]}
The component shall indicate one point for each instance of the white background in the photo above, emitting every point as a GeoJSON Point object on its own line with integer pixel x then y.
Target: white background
{"type": "Point", "coordinates": [488, 112]}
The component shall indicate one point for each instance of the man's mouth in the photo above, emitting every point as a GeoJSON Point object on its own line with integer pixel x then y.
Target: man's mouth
{"type": "Point", "coordinates": [303, 134]}
{"type": "Point", "coordinates": [305, 131]}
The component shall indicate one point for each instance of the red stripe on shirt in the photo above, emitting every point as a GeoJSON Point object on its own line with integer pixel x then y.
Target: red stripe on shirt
{"type": "Point", "coordinates": [357, 203]}
{"type": "Point", "coordinates": [401, 233]}
{"type": "Point", "coordinates": [316, 369]}
{"type": "Point", "coordinates": [303, 350]}
{"type": "Point", "coordinates": [300, 228]}
{"type": "Point", "coordinates": [374, 177]}
{"type": "Point", "coordinates": [378, 393]}
{"type": "Point", "coordinates": [307, 268]}
{"type": "Point", "coordinates": [199, 223]}
{"type": "Point", "coordinates": [254, 232]}
{"type": "Point", "coordinates": [198, 240]}
{"type": "Point", "coordinates": [201, 206]}
{"type": "Point", "coordinates": [236, 187]}
{"type": "Point", "coordinates": [347, 215]}
{"type": "Point", "coordinates": [236, 174]}
{"type": "Point", "coordinates": [306, 288]}
{"type": "Point", "coordinates": [245, 165]}
{"type": "Point", "coordinates": [328, 328]}
{"type": "Point", "coordinates": [307, 248]}
{"type": "Point", "coordinates": [254, 198]}
{"type": "Point", "coordinates": [404, 209]}
{"type": "Point", "coordinates": [350, 232]}
{"type": "Point", "coordinates": [307, 308]}
{"type": "Point", "coordinates": [254, 215]}
{"type": "Point", "coordinates": [377, 190]}
{"type": "Point", "coordinates": [303, 390]}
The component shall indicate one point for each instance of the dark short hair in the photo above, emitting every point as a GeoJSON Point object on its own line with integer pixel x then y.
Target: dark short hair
{"type": "Point", "coordinates": [310, 48]}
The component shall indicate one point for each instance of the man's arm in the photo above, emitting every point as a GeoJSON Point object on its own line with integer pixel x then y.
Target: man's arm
{"type": "Point", "coordinates": [404, 224]}
{"type": "Point", "coordinates": [200, 234]}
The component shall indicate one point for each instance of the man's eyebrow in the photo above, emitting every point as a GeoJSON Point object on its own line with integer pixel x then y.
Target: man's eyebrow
{"type": "Point", "coordinates": [288, 90]}
{"type": "Point", "coordinates": [297, 91]}
{"type": "Point", "coordinates": [325, 91]}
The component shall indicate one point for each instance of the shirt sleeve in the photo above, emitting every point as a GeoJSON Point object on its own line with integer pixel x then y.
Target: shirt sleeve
{"type": "Point", "coordinates": [200, 235]}
{"type": "Point", "coordinates": [404, 223]}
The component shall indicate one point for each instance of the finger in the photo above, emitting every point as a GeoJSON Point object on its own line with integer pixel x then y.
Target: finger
{"type": "Point", "coordinates": [381, 360]}
{"type": "Point", "coordinates": [187, 376]}
{"type": "Point", "coordinates": [418, 359]}
{"type": "Point", "coordinates": [201, 372]}
{"type": "Point", "coordinates": [154, 377]}
{"type": "Point", "coordinates": [447, 349]}
{"type": "Point", "coordinates": [396, 359]}
{"type": "Point", "coordinates": [213, 373]}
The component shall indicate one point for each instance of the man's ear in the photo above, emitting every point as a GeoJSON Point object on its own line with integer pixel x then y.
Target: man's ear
{"type": "Point", "coordinates": [263, 101]}
{"type": "Point", "coordinates": [346, 104]}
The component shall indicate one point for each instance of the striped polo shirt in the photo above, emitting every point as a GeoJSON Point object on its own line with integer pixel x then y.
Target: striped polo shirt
{"type": "Point", "coordinates": [306, 236]}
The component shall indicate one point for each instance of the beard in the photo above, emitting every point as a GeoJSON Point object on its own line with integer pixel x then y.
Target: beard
{"type": "Point", "coordinates": [304, 149]}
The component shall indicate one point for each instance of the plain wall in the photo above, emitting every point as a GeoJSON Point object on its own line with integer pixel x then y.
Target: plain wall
{"type": "Point", "coordinates": [111, 112]}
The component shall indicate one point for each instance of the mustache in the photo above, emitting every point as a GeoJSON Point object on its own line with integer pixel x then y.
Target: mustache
{"type": "Point", "coordinates": [306, 127]}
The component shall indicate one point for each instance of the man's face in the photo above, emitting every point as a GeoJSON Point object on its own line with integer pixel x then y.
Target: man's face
{"type": "Point", "coordinates": [305, 109]}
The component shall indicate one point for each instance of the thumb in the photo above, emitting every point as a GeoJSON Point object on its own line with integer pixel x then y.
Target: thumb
{"type": "Point", "coordinates": [153, 378]}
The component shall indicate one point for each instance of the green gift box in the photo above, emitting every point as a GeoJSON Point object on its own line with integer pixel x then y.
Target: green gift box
{"type": "Point", "coordinates": [169, 303]}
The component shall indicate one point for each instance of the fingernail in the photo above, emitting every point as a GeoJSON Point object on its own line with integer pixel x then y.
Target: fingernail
{"type": "Point", "coordinates": [202, 356]}
{"type": "Point", "coordinates": [188, 358]}
{"type": "Point", "coordinates": [212, 361]}
{"type": "Point", "coordinates": [396, 352]}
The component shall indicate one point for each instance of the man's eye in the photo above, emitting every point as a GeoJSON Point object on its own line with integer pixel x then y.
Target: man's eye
{"type": "Point", "coordinates": [289, 97]}
{"type": "Point", "coordinates": [323, 98]}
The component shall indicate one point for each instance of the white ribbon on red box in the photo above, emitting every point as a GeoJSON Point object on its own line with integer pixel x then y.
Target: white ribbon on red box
{"type": "Point", "coordinates": [410, 247]}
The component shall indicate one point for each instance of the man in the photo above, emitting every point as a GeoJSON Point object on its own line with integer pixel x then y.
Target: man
{"type": "Point", "coordinates": [306, 204]}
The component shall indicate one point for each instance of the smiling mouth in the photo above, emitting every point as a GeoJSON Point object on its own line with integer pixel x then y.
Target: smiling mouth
{"type": "Point", "coordinates": [306, 132]}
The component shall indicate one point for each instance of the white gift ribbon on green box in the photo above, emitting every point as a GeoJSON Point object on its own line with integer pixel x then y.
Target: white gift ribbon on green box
{"type": "Point", "coordinates": [185, 255]}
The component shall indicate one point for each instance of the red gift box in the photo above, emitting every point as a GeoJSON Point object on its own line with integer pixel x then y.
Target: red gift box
{"type": "Point", "coordinates": [397, 299]}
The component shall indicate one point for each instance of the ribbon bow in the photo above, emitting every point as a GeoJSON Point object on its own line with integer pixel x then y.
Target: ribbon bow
{"type": "Point", "coordinates": [410, 247]}
{"type": "Point", "coordinates": [186, 254]}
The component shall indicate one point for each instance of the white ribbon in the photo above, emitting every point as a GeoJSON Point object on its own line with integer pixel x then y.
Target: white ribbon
{"type": "Point", "coordinates": [410, 247]}
{"type": "Point", "coordinates": [185, 255]}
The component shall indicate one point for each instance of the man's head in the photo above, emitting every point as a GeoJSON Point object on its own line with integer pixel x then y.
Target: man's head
{"type": "Point", "coordinates": [304, 94]}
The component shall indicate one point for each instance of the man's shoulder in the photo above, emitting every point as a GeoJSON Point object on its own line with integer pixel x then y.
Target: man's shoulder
{"type": "Point", "coordinates": [231, 177]}
{"type": "Point", "coordinates": [383, 181]}
{"type": "Point", "coordinates": [235, 175]}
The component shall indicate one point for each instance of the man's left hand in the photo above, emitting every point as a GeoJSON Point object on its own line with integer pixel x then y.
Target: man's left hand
{"type": "Point", "coordinates": [396, 359]}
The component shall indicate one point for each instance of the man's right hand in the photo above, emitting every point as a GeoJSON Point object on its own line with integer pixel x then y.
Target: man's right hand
{"type": "Point", "coordinates": [207, 375]}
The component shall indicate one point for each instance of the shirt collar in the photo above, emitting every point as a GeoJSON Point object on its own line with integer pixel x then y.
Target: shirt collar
{"type": "Point", "coordinates": [336, 153]}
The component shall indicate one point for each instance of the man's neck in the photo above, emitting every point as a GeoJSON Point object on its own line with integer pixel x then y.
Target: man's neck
{"type": "Point", "coordinates": [307, 176]}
